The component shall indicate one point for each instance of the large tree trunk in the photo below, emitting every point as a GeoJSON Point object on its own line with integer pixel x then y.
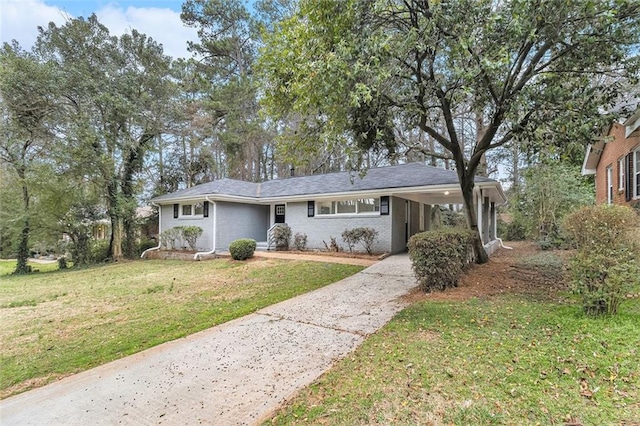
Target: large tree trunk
{"type": "Point", "coordinates": [466, 185]}
{"type": "Point", "coordinates": [23, 247]}
{"type": "Point", "coordinates": [481, 129]}
{"type": "Point", "coordinates": [129, 237]}
{"type": "Point", "coordinates": [116, 238]}
{"type": "Point", "coordinates": [23, 250]}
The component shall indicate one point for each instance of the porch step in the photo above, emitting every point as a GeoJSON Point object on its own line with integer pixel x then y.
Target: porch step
{"type": "Point", "coordinates": [262, 245]}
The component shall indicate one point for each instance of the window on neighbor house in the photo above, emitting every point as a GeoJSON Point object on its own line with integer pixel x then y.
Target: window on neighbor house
{"type": "Point", "coordinates": [636, 171]}
{"type": "Point", "coordinates": [609, 184]}
{"type": "Point", "coordinates": [621, 174]}
{"type": "Point", "coordinates": [353, 206]}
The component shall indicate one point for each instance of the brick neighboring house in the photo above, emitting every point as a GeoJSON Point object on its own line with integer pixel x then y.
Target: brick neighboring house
{"type": "Point", "coordinates": [615, 162]}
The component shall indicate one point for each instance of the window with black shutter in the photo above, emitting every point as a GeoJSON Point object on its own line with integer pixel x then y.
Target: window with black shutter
{"type": "Point", "coordinates": [384, 205]}
{"type": "Point", "coordinates": [176, 210]}
{"type": "Point", "coordinates": [311, 208]}
{"type": "Point", "coordinates": [205, 209]}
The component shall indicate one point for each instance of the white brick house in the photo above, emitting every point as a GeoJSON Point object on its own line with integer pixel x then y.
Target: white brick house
{"type": "Point", "coordinates": [394, 200]}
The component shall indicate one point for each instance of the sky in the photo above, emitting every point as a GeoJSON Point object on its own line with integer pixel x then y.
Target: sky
{"type": "Point", "coordinates": [158, 19]}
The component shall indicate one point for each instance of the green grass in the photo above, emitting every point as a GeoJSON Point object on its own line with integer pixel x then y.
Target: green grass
{"type": "Point", "coordinates": [501, 361]}
{"type": "Point", "coordinates": [8, 266]}
{"type": "Point", "coordinates": [58, 323]}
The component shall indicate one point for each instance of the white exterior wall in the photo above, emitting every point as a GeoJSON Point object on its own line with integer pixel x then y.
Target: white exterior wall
{"type": "Point", "coordinates": [321, 228]}
{"type": "Point", "coordinates": [237, 220]}
{"type": "Point", "coordinates": [206, 223]}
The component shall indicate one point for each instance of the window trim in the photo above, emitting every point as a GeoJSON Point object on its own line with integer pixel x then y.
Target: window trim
{"type": "Point", "coordinates": [621, 175]}
{"type": "Point", "coordinates": [385, 208]}
{"type": "Point", "coordinates": [356, 213]}
{"type": "Point", "coordinates": [609, 183]}
{"type": "Point", "coordinates": [193, 214]}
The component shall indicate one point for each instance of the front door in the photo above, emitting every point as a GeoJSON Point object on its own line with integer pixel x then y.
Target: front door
{"type": "Point", "coordinates": [279, 213]}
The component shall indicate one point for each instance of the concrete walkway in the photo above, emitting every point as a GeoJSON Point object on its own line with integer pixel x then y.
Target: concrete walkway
{"type": "Point", "coordinates": [237, 373]}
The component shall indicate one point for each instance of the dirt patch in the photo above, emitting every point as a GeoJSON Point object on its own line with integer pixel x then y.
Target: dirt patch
{"type": "Point", "coordinates": [524, 270]}
{"type": "Point", "coordinates": [333, 257]}
{"type": "Point", "coordinates": [32, 383]}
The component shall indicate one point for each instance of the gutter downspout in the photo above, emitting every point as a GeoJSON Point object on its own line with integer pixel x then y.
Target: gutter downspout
{"type": "Point", "coordinates": [159, 232]}
{"type": "Point", "coordinates": [215, 219]}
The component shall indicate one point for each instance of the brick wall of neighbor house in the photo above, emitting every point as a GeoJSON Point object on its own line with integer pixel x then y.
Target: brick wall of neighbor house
{"type": "Point", "coordinates": [236, 220]}
{"type": "Point", "coordinates": [613, 151]}
{"type": "Point", "coordinates": [322, 228]}
{"type": "Point", "coordinates": [206, 223]}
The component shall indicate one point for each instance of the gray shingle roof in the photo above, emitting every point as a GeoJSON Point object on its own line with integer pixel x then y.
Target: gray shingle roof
{"type": "Point", "coordinates": [398, 176]}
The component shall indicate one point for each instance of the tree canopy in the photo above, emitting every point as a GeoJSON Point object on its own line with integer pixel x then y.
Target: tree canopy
{"type": "Point", "coordinates": [94, 124]}
{"type": "Point", "coordinates": [361, 70]}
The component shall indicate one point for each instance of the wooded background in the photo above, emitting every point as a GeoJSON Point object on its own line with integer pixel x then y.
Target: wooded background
{"type": "Point", "coordinates": [92, 125]}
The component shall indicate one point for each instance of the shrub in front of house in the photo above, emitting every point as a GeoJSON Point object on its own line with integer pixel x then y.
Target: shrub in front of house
{"type": "Point", "coordinates": [333, 245]}
{"type": "Point", "coordinates": [300, 241]}
{"type": "Point", "coordinates": [368, 236]}
{"type": "Point", "coordinates": [351, 237]}
{"type": "Point", "coordinates": [191, 234]}
{"type": "Point", "coordinates": [439, 257]}
{"type": "Point", "coordinates": [606, 266]}
{"type": "Point", "coordinates": [365, 236]}
{"type": "Point", "coordinates": [170, 238]}
{"type": "Point", "coordinates": [242, 249]}
{"type": "Point", "coordinates": [282, 236]}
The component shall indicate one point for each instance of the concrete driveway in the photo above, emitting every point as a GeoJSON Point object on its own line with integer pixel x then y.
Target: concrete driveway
{"type": "Point", "coordinates": [237, 373]}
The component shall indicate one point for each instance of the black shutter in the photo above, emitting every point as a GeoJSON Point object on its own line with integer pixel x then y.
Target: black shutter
{"type": "Point", "coordinates": [176, 210]}
{"type": "Point", "coordinates": [311, 208]}
{"type": "Point", "coordinates": [628, 166]}
{"type": "Point", "coordinates": [384, 205]}
{"type": "Point", "coordinates": [205, 209]}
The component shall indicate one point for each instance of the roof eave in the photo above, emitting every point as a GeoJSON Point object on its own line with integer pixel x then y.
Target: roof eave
{"type": "Point", "coordinates": [212, 196]}
{"type": "Point", "coordinates": [427, 189]}
{"type": "Point", "coordinates": [361, 193]}
{"type": "Point", "coordinates": [633, 118]}
{"type": "Point", "coordinates": [494, 185]}
{"type": "Point", "coordinates": [592, 157]}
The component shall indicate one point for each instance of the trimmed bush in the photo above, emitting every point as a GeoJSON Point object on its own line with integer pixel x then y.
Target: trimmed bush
{"type": "Point", "coordinates": [282, 236]}
{"type": "Point", "coordinates": [605, 267]}
{"type": "Point", "coordinates": [351, 238]}
{"type": "Point", "coordinates": [368, 236]}
{"type": "Point", "coordinates": [191, 234]}
{"type": "Point", "coordinates": [364, 236]}
{"type": "Point", "coordinates": [440, 257]}
{"type": "Point", "coordinates": [300, 241]}
{"type": "Point", "coordinates": [333, 245]}
{"type": "Point", "coordinates": [242, 249]}
{"type": "Point", "coordinates": [169, 237]}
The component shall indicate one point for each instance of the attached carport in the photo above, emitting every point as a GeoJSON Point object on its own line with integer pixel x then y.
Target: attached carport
{"type": "Point", "coordinates": [420, 202]}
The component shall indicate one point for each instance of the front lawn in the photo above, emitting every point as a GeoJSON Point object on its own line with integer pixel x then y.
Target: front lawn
{"type": "Point", "coordinates": [519, 354]}
{"type": "Point", "coordinates": [63, 322]}
{"type": "Point", "coordinates": [8, 266]}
